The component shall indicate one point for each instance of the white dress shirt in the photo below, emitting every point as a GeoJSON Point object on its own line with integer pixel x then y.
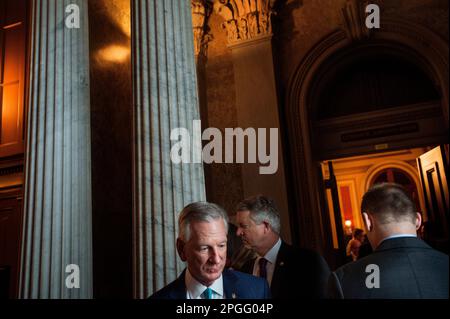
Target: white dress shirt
{"type": "Point", "coordinates": [194, 289]}
{"type": "Point", "coordinates": [271, 257]}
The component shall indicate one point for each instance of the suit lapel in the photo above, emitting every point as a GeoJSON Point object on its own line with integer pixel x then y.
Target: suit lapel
{"type": "Point", "coordinates": [279, 271]}
{"type": "Point", "coordinates": [179, 291]}
{"type": "Point", "coordinates": [229, 284]}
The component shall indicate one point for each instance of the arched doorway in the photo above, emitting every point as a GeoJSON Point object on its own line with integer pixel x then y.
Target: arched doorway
{"type": "Point", "coordinates": [373, 97]}
{"type": "Point", "coordinates": [328, 120]}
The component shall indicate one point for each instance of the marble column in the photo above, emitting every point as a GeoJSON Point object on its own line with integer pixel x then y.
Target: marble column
{"type": "Point", "coordinates": [57, 197]}
{"type": "Point", "coordinates": [249, 31]}
{"type": "Point", "coordinates": [165, 98]}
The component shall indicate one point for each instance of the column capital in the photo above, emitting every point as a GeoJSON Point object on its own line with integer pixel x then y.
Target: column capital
{"type": "Point", "coordinates": [246, 20]}
{"type": "Point", "coordinates": [201, 10]}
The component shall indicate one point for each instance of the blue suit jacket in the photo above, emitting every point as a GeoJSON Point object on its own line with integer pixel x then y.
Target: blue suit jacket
{"type": "Point", "coordinates": [236, 285]}
{"type": "Point", "coordinates": [408, 269]}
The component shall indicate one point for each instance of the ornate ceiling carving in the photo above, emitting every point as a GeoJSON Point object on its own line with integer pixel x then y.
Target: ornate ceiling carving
{"type": "Point", "coordinates": [245, 19]}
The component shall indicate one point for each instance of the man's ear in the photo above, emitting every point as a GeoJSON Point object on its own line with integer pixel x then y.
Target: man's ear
{"type": "Point", "coordinates": [180, 249]}
{"type": "Point", "coordinates": [418, 220]}
{"type": "Point", "coordinates": [267, 226]}
{"type": "Point", "coordinates": [368, 221]}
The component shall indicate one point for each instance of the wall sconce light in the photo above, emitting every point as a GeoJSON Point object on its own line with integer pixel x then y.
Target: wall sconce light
{"type": "Point", "coordinates": [348, 226]}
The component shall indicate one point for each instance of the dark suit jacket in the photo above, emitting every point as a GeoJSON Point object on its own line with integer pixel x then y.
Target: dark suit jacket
{"type": "Point", "coordinates": [299, 273]}
{"type": "Point", "coordinates": [408, 268]}
{"type": "Point", "coordinates": [236, 285]}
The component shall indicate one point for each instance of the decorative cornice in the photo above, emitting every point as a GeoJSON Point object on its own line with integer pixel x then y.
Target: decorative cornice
{"type": "Point", "coordinates": [409, 113]}
{"type": "Point", "coordinates": [245, 19]}
{"type": "Point", "coordinates": [354, 19]}
{"type": "Point", "coordinates": [201, 10]}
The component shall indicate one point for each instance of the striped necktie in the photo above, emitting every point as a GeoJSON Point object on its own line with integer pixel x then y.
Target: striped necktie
{"type": "Point", "coordinates": [262, 268]}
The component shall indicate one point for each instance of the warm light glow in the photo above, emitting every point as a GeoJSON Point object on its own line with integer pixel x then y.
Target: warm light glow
{"type": "Point", "coordinates": [125, 24]}
{"type": "Point", "coordinates": [10, 113]}
{"type": "Point", "coordinates": [119, 11]}
{"type": "Point", "coordinates": [114, 53]}
{"type": "Point", "coordinates": [348, 223]}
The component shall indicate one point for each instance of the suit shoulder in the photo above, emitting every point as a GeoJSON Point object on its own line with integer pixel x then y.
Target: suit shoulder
{"type": "Point", "coordinates": [247, 286]}
{"type": "Point", "coordinates": [166, 292]}
{"type": "Point", "coordinates": [306, 256]}
{"type": "Point", "coordinates": [247, 280]}
{"type": "Point", "coordinates": [289, 250]}
{"type": "Point", "coordinates": [309, 253]}
{"type": "Point", "coordinates": [439, 255]}
{"type": "Point", "coordinates": [358, 264]}
{"type": "Point", "coordinates": [241, 276]}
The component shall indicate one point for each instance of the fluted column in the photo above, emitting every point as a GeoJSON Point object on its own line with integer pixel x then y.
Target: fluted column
{"type": "Point", "coordinates": [165, 98]}
{"type": "Point", "coordinates": [57, 198]}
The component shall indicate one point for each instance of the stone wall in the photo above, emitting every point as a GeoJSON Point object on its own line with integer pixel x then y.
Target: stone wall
{"type": "Point", "coordinates": [225, 186]}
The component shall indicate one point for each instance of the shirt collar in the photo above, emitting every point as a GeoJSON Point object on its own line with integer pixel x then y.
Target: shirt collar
{"type": "Point", "coordinates": [195, 289]}
{"type": "Point", "coordinates": [271, 255]}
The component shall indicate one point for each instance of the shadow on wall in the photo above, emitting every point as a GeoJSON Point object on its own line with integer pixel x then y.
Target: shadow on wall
{"type": "Point", "coordinates": [111, 125]}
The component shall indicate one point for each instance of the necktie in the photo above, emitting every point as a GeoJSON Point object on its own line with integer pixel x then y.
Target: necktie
{"type": "Point", "coordinates": [262, 268]}
{"type": "Point", "coordinates": [208, 293]}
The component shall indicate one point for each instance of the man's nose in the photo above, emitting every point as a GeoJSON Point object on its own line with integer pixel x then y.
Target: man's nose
{"type": "Point", "coordinates": [215, 256]}
{"type": "Point", "coordinates": [239, 231]}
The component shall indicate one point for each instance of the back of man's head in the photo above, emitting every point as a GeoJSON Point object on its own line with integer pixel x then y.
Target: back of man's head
{"type": "Point", "coordinates": [389, 203]}
{"type": "Point", "coordinates": [261, 208]}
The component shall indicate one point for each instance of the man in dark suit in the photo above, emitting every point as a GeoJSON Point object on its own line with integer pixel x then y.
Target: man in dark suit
{"type": "Point", "coordinates": [290, 272]}
{"type": "Point", "coordinates": [401, 266]}
{"type": "Point", "coordinates": [202, 243]}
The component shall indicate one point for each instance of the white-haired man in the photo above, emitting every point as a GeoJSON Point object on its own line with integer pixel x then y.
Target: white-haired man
{"type": "Point", "coordinates": [202, 244]}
